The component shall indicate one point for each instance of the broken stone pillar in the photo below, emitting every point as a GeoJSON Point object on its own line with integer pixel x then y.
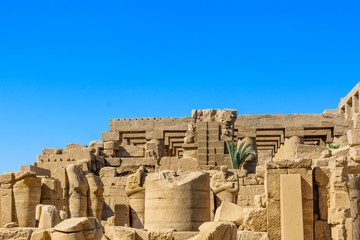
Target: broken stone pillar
{"type": "Point", "coordinates": [177, 200]}
{"type": "Point", "coordinates": [95, 198]}
{"type": "Point", "coordinates": [354, 194]}
{"type": "Point", "coordinates": [291, 207]}
{"type": "Point", "coordinates": [135, 191]}
{"type": "Point", "coordinates": [225, 185]}
{"type": "Point", "coordinates": [78, 188]}
{"type": "Point", "coordinates": [47, 215]}
{"type": "Point", "coordinates": [27, 194]}
{"type": "Point", "coordinates": [7, 198]}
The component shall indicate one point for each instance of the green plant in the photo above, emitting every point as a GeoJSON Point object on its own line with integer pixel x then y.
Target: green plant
{"type": "Point", "coordinates": [238, 154]}
{"type": "Point", "coordinates": [332, 146]}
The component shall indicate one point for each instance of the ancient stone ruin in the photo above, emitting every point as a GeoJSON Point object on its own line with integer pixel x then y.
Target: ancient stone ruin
{"type": "Point", "coordinates": [174, 179]}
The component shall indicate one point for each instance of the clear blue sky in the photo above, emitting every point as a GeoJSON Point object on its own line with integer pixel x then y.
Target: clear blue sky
{"type": "Point", "coordinates": [67, 67]}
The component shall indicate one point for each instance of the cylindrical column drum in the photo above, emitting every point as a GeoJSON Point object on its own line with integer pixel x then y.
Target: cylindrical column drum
{"type": "Point", "coordinates": [27, 194]}
{"type": "Point", "coordinates": [177, 200]}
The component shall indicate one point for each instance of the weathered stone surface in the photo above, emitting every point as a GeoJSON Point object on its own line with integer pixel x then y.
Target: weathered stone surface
{"type": "Point", "coordinates": [216, 231]}
{"type": "Point", "coordinates": [340, 152]}
{"type": "Point", "coordinates": [246, 195]}
{"type": "Point", "coordinates": [255, 219]}
{"type": "Point", "coordinates": [78, 229]}
{"type": "Point", "coordinates": [322, 230]}
{"type": "Point", "coordinates": [177, 200]}
{"type": "Point", "coordinates": [250, 235]}
{"type": "Point", "coordinates": [95, 198]}
{"type": "Point", "coordinates": [47, 215]}
{"type": "Point", "coordinates": [174, 163]}
{"type": "Point", "coordinates": [355, 153]}
{"type": "Point", "coordinates": [229, 212]}
{"type": "Point", "coordinates": [16, 233]}
{"type": "Point", "coordinates": [27, 194]}
{"type": "Point", "coordinates": [40, 234]}
{"type": "Point", "coordinates": [78, 190]}
{"type": "Point", "coordinates": [289, 163]}
{"type": "Point", "coordinates": [353, 136]}
{"type": "Point", "coordinates": [309, 151]}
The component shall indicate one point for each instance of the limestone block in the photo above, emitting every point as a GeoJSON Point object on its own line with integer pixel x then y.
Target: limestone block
{"type": "Point", "coordinates": [336, 216]}
{"type": "Point", "coordinates": [260, 201]}
{"type": "Point", "coordinates": [323, 202]}
{"type": "Point", "coordinates": [174, 163]}
{"type": "Point", "coordinates": [250, 235]}
{"type": "Point", "coordinates": [338, 232]}
{"type": "Point", "coordinates": [216, 231]}
{"type": "Point", "coordinates": [132, 151]}
{"type": "Point", "coordinates": [40, 234]}
{"type": "Point", "coordinates": [111, 145]}
{"type": "Point", "coordinates": [184, 235]}
{"type": "Point", "coordinates": [355, 153]}
{"type": "Point", "coordinates": [124, 233]}
{"type": "Point", "coordinates": [27, 194]}
{"type": "Point", "coordinates": [322, 175]}
{"type": "Point", "coordinates": [289, 163]}
{"type": "Point", "coordinates": [82, 228]}
{"type": "Point", "coordinates": [246, 194]}
{"type": "Point", "coordinates": [16, 233]}
{"type": "Point", "coordinates": [255, 220]}
{"type": "Point", "coordinates": [340, 152]}
{"type": "Point", "coordinates": [326, 154]}
{"type": "Point", "coordinates": [292, 226]}
{"type": "Point", "coordinates": [322, 230]}
{"type": "Point", "coordinates": [340, 200]}
{"type": "Point", "coordinates": [272, 182]}
{"type": "Point", "coordinates": [183, 197]}
{"type": "Point", "coordinates": [260, 171]}
{"type": "Point", "coordinates": [161, 234]}
{"type": "Point", "coordinates": [110, 136]}
{"type": "Point", "coordinates": [273, 219]}
{"type": "Point", "coordinates": [306, 181]}
{"type": "Point", "coordinates": [321, 162]}
{"type": "Point", "coordinates": [340, 140]}
{"type": "Point", "coordinates": [107, 172]}
{"type": "Point", "coordinates": [114, 162]}
{"type": "Point", "coordinates": [309, 151]}
{"type": "Point", "coordinates": [47, 215]}
{"type": "Point", "coordinates": [353, 136]}
{"type": "Point", "coordinates": [229, 212]}
{"type": "Point", "coordinates": [250, 180]}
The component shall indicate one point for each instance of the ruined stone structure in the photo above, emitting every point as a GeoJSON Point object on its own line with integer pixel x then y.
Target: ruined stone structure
{"type": "Point", "coordinates": [172, 179]}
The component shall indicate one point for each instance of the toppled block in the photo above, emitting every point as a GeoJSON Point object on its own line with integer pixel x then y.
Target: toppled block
{"type": "Point", "coordinates": [229, 212]}
{"type": "Point", "coordinates": [83, 228]}
{"type": "Point", "coordinates": [217, 231]}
